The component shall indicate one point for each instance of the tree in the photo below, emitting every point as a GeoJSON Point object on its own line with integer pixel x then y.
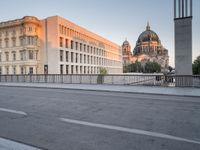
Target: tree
{"type": "Point", "coordinates": [151, 67]}
{"type": "Point", "coordinates": [100, 77]}
{"type": "Point", "coordinates": [103, 71]}
{"type": "Point", "coordinates": [196, 66]}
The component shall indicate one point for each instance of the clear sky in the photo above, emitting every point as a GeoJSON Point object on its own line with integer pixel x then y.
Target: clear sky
{"type": "Point", "coordinates": [112, 19]}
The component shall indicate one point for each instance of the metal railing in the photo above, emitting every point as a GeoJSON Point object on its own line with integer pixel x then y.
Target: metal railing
{"type": "Point", "coordinates": [116, 79]}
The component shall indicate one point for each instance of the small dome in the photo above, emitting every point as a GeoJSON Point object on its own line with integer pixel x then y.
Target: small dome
{"type": "Point", "coordinates": [126, 42]}
{"type": "Point", "coordinates": [148, 35]}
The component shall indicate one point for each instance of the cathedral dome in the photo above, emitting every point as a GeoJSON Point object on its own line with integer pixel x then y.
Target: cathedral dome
{"type": "Point", "coordinates": [148, 35]}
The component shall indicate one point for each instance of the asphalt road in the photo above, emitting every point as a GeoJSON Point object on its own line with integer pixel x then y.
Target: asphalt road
{"type": "Point", "coordinates": [83, 120]}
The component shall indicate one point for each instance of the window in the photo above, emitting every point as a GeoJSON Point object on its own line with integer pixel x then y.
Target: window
{"type": "Point", "coordinates": [0, 43]}
{"type": "Point", "coordinates": [30, 40]}
{"type": "Point", "coordinates": [91, 50]}
{"type": "Point", "coordinates": [6, 33]}
{"type": "Point", "coordinates": [81, 69]}
{"type": "Point", "coordinates": [84, 48]}
{"type": "Point", "coordinates": [88, 60]}
{"type": "Point", "coordinates": [61, 42]}
{"type": "Point", "coordinates": [88, 49]}
{"type": "Point", "coordinates": [61, 55]}
{"type": "Point", "coordinates": [72, 57]}
{"type": "Point", "coordinates": [22, 70]}
{"type": "Point", "coordinates": [14, 33]}
{"type": "Point", "coordinates": [14, 42]}
{"type": "Point", "coordinates": [80, 46]}
{"type": "Point", "coordinates": [76, 57]}
{"type": "Point", "coordinates": [31, 70]}
{"type": "Point", "coordinates": [14, 56]}
{"type": "Point", "coordinates": [21, 41]}
{"type": "Point", "coordinates": [31, 55]}
{"type": "Point", "coordinates": [14, 70]}
{"type": "Point", "coordinates": [7, 44]}
{"type": "Point", "coordinates": [30, 29]}
{"type": "Point", "coordinates": [7, 56]}
{"type": "Point", "coordinates": [60, 29]}
{"type": "Point", "coordinates": [84, 70]}
{"type": "Point", "coordinates": [64, 30]}
{"type": "Point", "coordinates": [72, 69]}
{"type": "Point", "coordinates": [67, 69]}
{"type": "Point", "coordinates": [66, 43]}
{"type": "Point", "coordinates": [80, 58]}
{"type": "Point", "coordinates": [72, 44]}
{"type": "Point", "coordinates": [21, 56]}
{"type": "Point", "coordinates": [67, 56]}
{"type": "Point", "coordinates": [84, 59]}
{"type": "Point", "coordinates": [7, 70]}
{"type": "Point", "coordinates": [76, 69]}
{"type": "Point", "coordinates": [76, 45]}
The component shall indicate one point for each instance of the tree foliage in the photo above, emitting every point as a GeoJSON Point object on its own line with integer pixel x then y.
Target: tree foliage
{"type": "Point", "coordinates": [151, 67]}
{"type": "Point", "coordinates": [196, 66]}
{"type": "Point", "coordinates": [100, 77]}
{"type": "Point", "coordinates": [103, 71]}
{"type": "Point", "coordinates": [148, 67]}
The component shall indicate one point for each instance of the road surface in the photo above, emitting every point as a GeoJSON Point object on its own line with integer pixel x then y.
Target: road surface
{"type": "Point", "coordinates": [58, 119]}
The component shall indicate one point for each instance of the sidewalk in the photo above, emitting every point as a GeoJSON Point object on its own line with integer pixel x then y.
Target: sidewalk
{"type": "Point", "coordinates": [195, 92]}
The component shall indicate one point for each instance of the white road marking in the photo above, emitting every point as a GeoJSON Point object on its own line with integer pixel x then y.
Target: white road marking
{"type": "Point", "coordinates": [11, 145]}
{"type": "Point", "coordinates": [13, 111]}
{"type": "Point", "coordinates": [129, 130]}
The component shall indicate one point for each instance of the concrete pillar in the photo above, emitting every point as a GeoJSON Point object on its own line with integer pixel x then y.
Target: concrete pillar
{"type": "Point", "coordinates": [183, 46]}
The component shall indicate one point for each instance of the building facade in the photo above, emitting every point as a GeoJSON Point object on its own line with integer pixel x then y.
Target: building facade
{"type": "Point", "coordinates": [148, 48]}
{"type": "Point", "coordinates": [54, 46]}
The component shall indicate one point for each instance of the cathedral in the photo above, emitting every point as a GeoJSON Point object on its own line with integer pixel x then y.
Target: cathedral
{"type": "Point", "coordinates": [148, 48]}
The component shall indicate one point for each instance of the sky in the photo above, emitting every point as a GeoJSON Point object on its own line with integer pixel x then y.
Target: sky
{"type": "Point", "coordinates": [115, 20]}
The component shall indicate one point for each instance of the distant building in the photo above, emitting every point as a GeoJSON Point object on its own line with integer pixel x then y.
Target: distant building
{"type": "Point", "coordinates": [55, 46]}
{"type": "Point", "coordinates": [148, 48]}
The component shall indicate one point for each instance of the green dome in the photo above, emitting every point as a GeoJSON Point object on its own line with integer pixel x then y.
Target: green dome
{"type": "Point", "coordinates": [148, 36]}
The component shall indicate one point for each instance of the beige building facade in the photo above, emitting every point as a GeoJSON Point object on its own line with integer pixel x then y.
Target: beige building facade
{"type": "Point", "coordinates": [54, 46]}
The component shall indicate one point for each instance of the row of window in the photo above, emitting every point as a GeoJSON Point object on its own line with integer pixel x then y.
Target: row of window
{"type": "Point", "coordinates": [80, 58]}
{"type": "Point", "coordinates": [74, 69]}
{"type": "Point", "coordinates": [86, 59]}
{"type": "Point", "coordinates": [65, 31]}
{"type": "Point", "coordinates": [23, 55]}
{"type": "Point", "coordinates": [64, 43]}
{"type": "Point", "coordinates": [27, 40]}
{"type": "Point", "coordinates": [81, 47]}
{"type": "Point", "coordinates": [14, 70]}
{"type": "Point", "coordinates": [13, 32]}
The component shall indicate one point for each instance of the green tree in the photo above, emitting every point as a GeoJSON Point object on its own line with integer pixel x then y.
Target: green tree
{"type": "Point", "coordinates": [103, 71]}
{"type": "Point", "coordinates": [100, 77]}
{"type": "Point", "coordinates": [151, 67]}
{"type": "Point", "coordinates": [196, 66]}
